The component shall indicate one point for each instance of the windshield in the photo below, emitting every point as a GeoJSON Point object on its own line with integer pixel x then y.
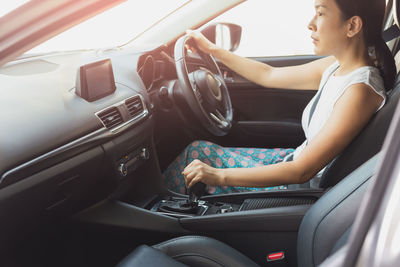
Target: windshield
{"type": "Point", "coordinates": [114, 27]}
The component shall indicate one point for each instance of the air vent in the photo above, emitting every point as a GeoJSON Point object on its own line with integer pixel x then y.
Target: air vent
{"type": "Point", "coordinates": [134, 105]}
{"type": "Point", "coordinates": [110, 117]}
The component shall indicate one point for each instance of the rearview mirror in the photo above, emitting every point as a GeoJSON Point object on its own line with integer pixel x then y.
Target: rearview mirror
{"type": "Point", "coordinates": [223, 34]}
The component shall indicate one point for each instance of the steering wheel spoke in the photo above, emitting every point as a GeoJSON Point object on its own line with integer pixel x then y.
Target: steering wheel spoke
{"type": "Point", "coordinates": [219, 118]}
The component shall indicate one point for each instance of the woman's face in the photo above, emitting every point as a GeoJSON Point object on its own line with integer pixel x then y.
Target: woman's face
{"type": "Point", "coordinates": [328, 28]}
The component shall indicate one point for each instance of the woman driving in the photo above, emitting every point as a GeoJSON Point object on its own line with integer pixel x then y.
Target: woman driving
{"type": "Point", "coordinates": [351, 82]}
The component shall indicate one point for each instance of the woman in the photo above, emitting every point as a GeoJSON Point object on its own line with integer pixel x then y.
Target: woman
{"type": "Point", "coordinates": [351, 83]}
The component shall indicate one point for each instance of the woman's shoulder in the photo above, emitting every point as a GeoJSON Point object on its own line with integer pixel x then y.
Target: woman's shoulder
{"type": "Point", "coordinates": [369, 75]}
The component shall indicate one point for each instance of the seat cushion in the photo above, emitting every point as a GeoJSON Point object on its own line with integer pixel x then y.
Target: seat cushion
{"type": "Point", "coordinates": [203, 251]}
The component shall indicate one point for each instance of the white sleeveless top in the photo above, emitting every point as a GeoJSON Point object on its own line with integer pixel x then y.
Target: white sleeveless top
{"type": "Point", "coordinates": [334, 87]}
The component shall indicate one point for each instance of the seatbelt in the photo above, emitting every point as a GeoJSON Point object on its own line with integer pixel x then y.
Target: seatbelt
{"type": "Point", "coordinates": [312, 109]}
{"type": "Point", "coordinates": [318, 96]}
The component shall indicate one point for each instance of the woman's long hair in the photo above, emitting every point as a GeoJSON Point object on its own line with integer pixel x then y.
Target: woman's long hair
{"type": "Point", "coordinates": [372, 14]}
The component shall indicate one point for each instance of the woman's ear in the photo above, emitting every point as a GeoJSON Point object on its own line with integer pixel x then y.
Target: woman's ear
{"type": "Point", "coordinates": [354, 26]}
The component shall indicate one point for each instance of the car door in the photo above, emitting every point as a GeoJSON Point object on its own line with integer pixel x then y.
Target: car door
{"type": "Point", "coordinates": [273, 32]}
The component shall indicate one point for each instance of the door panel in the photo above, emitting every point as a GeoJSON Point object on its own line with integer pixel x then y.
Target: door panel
{"type": "Point", "coordinates": [266, 117]}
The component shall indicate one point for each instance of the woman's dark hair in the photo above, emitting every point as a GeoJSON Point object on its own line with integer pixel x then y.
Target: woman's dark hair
{"type": "Point", "coordinates": [372, 14]}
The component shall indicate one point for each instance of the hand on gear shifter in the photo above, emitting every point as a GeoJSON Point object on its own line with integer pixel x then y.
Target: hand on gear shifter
{"type": "Point", "coordinates": [196, 191]}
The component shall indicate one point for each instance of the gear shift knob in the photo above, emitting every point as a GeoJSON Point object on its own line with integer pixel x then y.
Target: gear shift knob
{"type": "Point", "coordinates": [196, 191]}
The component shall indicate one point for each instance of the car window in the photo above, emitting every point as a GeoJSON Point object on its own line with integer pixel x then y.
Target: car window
{"type": "Point", "coordinates": [273, 27]}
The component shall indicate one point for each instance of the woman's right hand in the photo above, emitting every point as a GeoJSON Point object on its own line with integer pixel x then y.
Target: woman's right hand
{"type": "Point", "coordinates": [198, 171]}
{"type": "Point", "coordinates": [202, 42]}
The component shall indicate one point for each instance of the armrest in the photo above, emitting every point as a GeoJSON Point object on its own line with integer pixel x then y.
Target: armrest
{"type": "Point", "coordinates": [238, 198]}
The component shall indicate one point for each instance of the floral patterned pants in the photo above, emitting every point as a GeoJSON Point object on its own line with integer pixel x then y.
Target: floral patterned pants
{"type": "Point", "coordinates": [221, 157]}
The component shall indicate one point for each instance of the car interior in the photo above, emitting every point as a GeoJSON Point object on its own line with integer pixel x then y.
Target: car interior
{"type": "Point", "coordinates": [81, 176]}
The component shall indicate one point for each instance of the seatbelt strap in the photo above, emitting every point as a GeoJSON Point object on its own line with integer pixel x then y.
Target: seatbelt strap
{"type": "Point", "coordinates": [391, 33]}
{"type": "Point", "coordinates": [318, 96]}
{"type": "Point", "coordinates": [312, 109]}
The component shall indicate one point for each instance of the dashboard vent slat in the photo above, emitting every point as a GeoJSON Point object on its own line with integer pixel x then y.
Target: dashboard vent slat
{"type": "Point", "coordinates": [134, 106]}
{"type": "Point", "coordinates": [110, 117]}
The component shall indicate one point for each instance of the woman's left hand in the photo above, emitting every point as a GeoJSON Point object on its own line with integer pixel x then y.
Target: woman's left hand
{"type": "Point", "coordinates": [198, 171]}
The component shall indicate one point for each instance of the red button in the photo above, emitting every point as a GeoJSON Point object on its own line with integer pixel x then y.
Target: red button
{"type": "Point", "coordinates": [276, 256]}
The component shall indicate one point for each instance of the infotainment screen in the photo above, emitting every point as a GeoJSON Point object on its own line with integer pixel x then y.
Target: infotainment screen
{"type": "Point", "coordinates": [95, 80]}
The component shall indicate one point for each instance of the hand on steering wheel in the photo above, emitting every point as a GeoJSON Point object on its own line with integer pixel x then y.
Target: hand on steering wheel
{"type": "Point", "coordinates": [201, 42]}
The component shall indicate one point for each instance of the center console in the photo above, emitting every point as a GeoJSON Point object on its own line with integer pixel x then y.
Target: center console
{"type": "Point", "coordinates": [181, 207]}
{"type": "Point", "coordinates": [193, 205]}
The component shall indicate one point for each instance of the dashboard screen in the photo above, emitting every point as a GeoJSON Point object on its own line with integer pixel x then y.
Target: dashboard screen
{"type": "Point", "coordinates": [96, 80]}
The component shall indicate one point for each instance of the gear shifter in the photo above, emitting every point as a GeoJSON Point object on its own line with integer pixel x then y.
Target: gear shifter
{"type": "Point", "coordinates": [196, 192]}
{"type": "Point", "coordinates": [188, 206]}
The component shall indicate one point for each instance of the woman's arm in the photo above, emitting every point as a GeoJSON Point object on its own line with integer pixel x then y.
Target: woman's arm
{"type": "Point", "coordinates": [306, 76]}
{"type": "Point", "coordinates": [351, 113]}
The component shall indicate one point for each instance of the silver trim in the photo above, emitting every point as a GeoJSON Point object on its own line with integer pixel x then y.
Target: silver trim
{"type": "Point", "coordinates": [175, 215]}
{"type": "Point", "coordinates": [220, 119]}
{"type": "Point", "coordinates": [80, 141]}
{"type": "Point", "coordinates": [98, 134]}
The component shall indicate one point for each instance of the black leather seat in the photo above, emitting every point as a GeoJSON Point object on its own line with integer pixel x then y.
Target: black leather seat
{"type": "Point", "coordinates": [317, 238]}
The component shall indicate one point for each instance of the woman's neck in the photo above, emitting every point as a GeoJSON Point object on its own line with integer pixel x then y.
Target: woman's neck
{"type": "Point", "coordinates": [353, 57]}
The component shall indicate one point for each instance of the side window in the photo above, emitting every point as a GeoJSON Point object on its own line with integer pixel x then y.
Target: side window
{"type": "Point", "coordinates": [272, 27]}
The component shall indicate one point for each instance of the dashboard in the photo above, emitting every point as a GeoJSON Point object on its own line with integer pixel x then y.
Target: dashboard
{"type": "Point", "coordinates": [60, 152]}
{"type": "Point", "coordinates": [48, 114]}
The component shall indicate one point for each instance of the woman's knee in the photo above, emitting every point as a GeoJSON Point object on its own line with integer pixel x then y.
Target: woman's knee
{"type": "Point", "coordinates": [196, 145]}
{"type": "Point", "coordinates": [195, 150]}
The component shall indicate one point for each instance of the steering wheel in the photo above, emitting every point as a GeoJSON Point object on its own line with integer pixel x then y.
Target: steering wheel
{"type": "Point", "coordinates": [204, 90]}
